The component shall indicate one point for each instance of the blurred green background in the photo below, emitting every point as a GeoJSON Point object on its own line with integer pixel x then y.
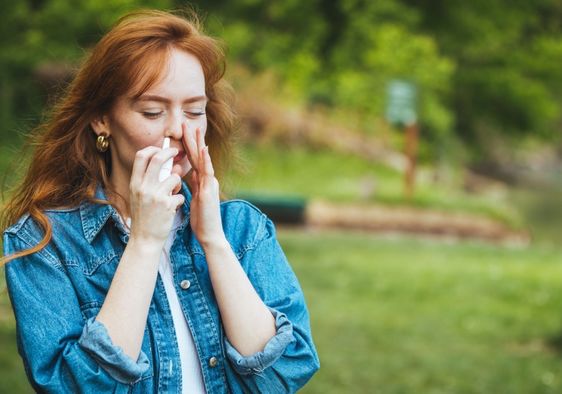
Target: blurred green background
{"type": "Point", "coordinates": [398, 304]}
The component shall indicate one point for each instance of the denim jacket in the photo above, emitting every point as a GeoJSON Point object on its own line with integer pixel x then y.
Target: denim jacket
{"type": "Point", "coordinates": [57, 293]}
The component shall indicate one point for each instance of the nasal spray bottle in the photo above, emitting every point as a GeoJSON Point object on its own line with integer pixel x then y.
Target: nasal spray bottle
{"type": "Point", "coordinates": [166, 169]}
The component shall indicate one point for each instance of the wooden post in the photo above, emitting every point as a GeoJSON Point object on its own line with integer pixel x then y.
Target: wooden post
{"type": "Point", "coordinates": [411, 150]}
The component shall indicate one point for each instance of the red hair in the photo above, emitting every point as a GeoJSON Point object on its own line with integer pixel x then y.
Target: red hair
{"type": "Point", "coordinates": [65, 166]}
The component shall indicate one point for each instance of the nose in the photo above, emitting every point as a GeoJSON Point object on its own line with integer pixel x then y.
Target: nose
{"type": "Point", "coordinates": [173, 129]}
{"type": "Point", "coordinates": [174, 133]}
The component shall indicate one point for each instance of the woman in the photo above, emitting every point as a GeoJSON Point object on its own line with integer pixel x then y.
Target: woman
{"type": "Point", "coordinates": [124, 278]}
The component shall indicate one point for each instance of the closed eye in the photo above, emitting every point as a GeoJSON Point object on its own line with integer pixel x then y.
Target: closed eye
{"type": "Point", "coordinates": [152, 115]}
{"type": "Point", "coordinates": [193, 113]}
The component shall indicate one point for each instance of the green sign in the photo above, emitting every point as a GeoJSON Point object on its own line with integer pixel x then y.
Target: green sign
{"type": "Point", "coordinates": [401, 103]}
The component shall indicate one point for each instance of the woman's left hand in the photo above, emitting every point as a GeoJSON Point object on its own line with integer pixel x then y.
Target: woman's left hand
{"type": "Point", "coordinates": [205, 215]}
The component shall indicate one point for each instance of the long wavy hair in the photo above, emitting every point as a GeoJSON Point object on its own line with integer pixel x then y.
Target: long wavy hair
{"type": "Point", "coordinates": [65, 167]}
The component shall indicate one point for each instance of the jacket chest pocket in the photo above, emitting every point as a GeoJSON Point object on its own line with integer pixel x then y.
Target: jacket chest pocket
{"type": "Point", "coordinates": [93, 275]}
{"type": "Point", "coordinates": [92, 309]}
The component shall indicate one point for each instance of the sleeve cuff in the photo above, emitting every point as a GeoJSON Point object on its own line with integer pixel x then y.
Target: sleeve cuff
{"type": "Point", "coordinates": [273, 349]}
{"type": "Point", "coordinates": [96, 342]}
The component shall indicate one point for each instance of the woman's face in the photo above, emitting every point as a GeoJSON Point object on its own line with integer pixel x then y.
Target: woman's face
{"type": "Point", "coordinates": [134, 124]}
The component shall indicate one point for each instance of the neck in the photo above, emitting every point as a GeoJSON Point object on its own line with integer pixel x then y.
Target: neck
{"type": "Point", "coordinates": [120, 199]}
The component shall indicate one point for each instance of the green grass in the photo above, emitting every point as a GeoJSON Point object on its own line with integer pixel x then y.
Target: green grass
{"type": "Point", "coordinates": [543, 212]}
{"type": "Point", "coordinates": [410, 316]}
{"type": "Point", "coordinates": [407, 316]}
{"type": "Point", "coordinates": [12, 376]}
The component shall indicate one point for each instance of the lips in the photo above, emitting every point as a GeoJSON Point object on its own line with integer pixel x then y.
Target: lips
{"type": "Point", "coordinates": [179, 156]}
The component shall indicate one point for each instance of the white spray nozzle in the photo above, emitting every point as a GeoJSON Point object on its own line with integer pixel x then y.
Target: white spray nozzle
{"type": "Point", "coordinates": [166, 169]}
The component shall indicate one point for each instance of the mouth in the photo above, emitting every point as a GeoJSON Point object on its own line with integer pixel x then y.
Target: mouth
{"type": "Point", "coordinates": [179, 157]}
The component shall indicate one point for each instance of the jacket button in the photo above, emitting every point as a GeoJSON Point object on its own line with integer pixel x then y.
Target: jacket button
{"type": "Point", "coordinates": [213, 362]}
{"type": "Point", "coordinates": [185, 284]}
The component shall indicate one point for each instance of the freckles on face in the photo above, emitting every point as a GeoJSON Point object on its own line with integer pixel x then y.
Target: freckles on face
{"type": "Point", "coordinates": [178, 98]}
{"type": "Point", "coordinates": [130, 133]}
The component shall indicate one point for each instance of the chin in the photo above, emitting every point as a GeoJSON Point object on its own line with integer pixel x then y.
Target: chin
{"type": "Point", "coordinates": [181, 169]}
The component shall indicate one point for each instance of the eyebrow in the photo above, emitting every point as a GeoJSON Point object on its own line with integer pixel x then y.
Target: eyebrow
{"type": "Point", "coordinates": [154, 97]}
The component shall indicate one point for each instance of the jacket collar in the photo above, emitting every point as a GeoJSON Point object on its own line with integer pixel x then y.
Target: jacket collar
{"type": "Point", "coordinates": [95, 215]}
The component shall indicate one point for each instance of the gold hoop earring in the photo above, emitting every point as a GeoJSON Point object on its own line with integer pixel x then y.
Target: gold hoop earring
{"type": "Point", "coordinates": [102, 143]}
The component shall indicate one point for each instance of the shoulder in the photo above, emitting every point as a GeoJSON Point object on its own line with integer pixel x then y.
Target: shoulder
{"type": "Point", "coordinates": [27, 226]}
{"type": "Point", "coordinates": [242, 212]}
{"type": "Point", "coordinates": [244, 224]}
{"type": "Point", "coordinates": [27, 231]}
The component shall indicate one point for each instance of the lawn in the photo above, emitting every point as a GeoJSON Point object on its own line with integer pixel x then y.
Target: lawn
{"type": "Point", "coordinates": [12, 376]}
{"type": "Point", "coordinates": [411, 316]}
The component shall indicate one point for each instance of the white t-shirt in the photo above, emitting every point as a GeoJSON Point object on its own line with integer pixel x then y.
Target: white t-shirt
{"type": "Point", "coordinates": [192, 378]}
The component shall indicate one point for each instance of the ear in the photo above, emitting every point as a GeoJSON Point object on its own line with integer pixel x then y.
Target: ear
{"type": "Point", "coordinates": [100, 125]}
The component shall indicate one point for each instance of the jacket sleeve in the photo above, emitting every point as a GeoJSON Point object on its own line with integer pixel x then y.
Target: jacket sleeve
{"type": "Point", "coordinates": [61, 351]}
{"type": "Point", "coordinates": [289, 359]}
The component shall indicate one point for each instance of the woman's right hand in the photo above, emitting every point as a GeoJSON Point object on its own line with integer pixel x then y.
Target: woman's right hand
{"type": "Point", "coordinates": [152, 204]}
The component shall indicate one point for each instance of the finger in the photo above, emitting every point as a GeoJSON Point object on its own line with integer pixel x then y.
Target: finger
{"type": "Point", "coordinates": [210, 185]}
{"type": "Point", "coordinates": [191, 148]}
{"type": "Point", "coordinates": [170, 184]}
{"type": "Point", "coordinates": [177, 169]}
{"type": "Point", "coordinates": [201, 162]}
{"type": "Point", "coordinates": [200, 139]}
{"type": "Point", "coordinates": [142, 158]}
{"type": "Point", "coordinates": [177, 189]}
{"type": "Point", "coordinates": [193, 182]}
{"type": "Point", "coordinates": [207, 163]}
{"type": "Point", "coordinates": [156, 162]}
{"type": "Point", "coordinates": [194, 152]}
{"type": "Point", "coordinates": [177, 200]}
{"type": "Point", "coordinates": [189, 179]}
{"type": "Point", "coordinates": [186, 144]}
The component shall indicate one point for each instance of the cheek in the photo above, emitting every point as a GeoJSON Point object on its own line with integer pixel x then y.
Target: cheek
{"type": "Point", "coordinates": [138, 142]}
{"type": "Point", "coordinates": [136, 136]}
{"type": "Point", "coordinates": [200, 123]}
{"type": "Point", "coordinates": [127, 145]}
{"type": "Point", "coordinates": [204, 126]}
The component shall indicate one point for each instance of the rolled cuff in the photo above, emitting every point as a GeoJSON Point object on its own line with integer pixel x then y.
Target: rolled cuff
{"type": "Point", "coordinates": [273, 349]}
{"type": "Point", "coordinates": [96, 342]}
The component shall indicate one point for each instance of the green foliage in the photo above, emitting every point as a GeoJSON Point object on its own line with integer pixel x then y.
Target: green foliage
{"type": "Point", "coordinates": [36, 33]}
{"type": "Point", "coordinates": [390, 51]}
{"type": "Point", "coordinates": [481, 67]}
{"type": "Point", "coordinates": [507, 80]}
{"type": "Point", "coordinates": [342, 54]}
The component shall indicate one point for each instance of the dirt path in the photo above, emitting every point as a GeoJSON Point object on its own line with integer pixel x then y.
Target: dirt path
{"type": "Point", "coordinates": [412, 221]}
